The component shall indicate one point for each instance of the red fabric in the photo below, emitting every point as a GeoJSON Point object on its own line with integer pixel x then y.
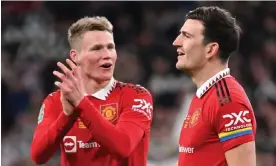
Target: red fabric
{"type": "Point", "coordinates": [111, 132]}
{"type": "Point", "coordinates": [50, 131]}
{"type": "Point", "coordinates": [237, 112]}
{"type": "Point", "coordinates": [119, 140]}
{"type": "Point", "coordinates": [199, 142]}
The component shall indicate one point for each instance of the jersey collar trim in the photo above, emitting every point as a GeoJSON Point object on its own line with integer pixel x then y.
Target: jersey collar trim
{"type": "Point", "coordinates": [104, 93]}
{"type": "Point", "coordinates": [211, 81]}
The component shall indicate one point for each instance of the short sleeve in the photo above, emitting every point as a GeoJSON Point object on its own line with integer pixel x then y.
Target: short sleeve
{"type": "Point", "coordinates": [235, 125]}
{"type": "Point", "coordinates": [138, 109]}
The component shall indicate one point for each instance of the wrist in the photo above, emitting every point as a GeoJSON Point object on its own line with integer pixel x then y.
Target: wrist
{"type": "Point", "coordinates": [72, 114]}
{"type": "Point", "coordinates": [79, 101]}
{"type": "Point", "coordinates": [67, 113]}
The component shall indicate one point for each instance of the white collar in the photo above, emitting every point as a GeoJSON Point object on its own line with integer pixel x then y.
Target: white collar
{"type": "Point", "coordinates": [211, 81]}
{"type": "Point", "coordinates": [103, 93]}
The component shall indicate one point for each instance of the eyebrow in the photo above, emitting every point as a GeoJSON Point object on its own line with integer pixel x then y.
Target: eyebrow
{"type": "Point", "coordinates": [103, 45]}
{"type": "Point", "coordinates": [185, 32]}
{"type": "Point", "coordinates": [100, 46]}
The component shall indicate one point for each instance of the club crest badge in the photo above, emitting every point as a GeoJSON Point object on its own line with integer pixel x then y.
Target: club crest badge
{"type": "Point", "coordinates": [110, 111]}
{"type": "Point", "coordinates": [194, 118]}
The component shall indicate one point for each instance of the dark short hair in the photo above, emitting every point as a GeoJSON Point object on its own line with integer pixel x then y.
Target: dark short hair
{"type": "Point", "coordinates": [219, 26]}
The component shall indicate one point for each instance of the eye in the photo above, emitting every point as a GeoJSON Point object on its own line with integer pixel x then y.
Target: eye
{"type": "Point", "coordinates": [186, 35]}
{"type": "Point", "coordinates": [111, 46]}
{"type": "Point", "coordinates": [96, 48]}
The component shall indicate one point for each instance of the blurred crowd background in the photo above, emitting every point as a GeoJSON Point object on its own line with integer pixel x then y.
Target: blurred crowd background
{"type": "Point", "coordinates": [34, 38]}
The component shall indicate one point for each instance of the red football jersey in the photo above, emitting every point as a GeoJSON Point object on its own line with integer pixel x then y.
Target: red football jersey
{"type": "Point", "coordinates": [220, 117]}
{"type": "Point", "coordinates": [109, 128]}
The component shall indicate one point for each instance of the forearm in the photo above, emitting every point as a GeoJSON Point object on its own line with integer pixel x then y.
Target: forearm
{"type": "Point", "coordinates": [46, 141]}
{"type": "Point", "coordinates": [106, 134]}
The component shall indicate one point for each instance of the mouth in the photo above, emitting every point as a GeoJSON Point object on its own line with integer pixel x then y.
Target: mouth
{"type": "Point", "coordinates": [106, 65]}
{"type": "Point", "coordinates": [180, 53]}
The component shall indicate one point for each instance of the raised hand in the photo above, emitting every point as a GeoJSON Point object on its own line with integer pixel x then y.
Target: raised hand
{"type": "Point", "coordinates": [72, 85]}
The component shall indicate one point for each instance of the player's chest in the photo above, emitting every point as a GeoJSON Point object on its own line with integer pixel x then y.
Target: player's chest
{"type": "Point", "coordinates": [196, 129]}
{"type": "Point", "coordinates": [79, 138]}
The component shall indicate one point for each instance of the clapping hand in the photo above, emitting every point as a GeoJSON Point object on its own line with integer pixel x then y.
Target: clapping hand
{"type": "Point", "coordinates": [71, 85]}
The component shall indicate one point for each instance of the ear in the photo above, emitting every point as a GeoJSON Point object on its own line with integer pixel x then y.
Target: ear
{"type": "Point", "coordinates": [212, 49]}
{"type": "Point", "coordinates": [74, 55]}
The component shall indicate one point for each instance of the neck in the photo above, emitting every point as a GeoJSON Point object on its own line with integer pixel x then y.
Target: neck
{"type": "Point", "coordinates": [92, 86]}
{"type": "Point", "coordinates": [200, 76]}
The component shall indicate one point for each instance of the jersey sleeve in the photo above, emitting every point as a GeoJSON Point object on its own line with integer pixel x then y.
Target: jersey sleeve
{"type": "Point", "coordinates": [137, 109]}
{"type": "Point", "coordinates": [235, 125]}
{"type": "Point", "coordinates": [52, 125]}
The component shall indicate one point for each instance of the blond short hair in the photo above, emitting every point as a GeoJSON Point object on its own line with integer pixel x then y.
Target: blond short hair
{"type": "Point", "coordinates": [96, 23]}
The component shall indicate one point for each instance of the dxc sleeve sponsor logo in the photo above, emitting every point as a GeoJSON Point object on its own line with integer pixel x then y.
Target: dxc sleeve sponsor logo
{"type": "Point", "coordinates": [142, 106]}
{"type": "Point", "coordinates": [236, 118]}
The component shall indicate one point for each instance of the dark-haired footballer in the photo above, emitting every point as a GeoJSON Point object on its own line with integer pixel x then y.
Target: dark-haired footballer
{"type": "Point", "coordinates": [220, 127]}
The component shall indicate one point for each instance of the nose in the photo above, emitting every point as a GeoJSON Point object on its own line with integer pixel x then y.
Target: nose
{"type": "Point", "coordinates": [107, 53]}
{"type": "Point", "coordinates": [177, 41]}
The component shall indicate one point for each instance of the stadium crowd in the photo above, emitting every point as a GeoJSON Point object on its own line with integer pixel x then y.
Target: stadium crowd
{"type": "Point", "coordinates": [34, 38]}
